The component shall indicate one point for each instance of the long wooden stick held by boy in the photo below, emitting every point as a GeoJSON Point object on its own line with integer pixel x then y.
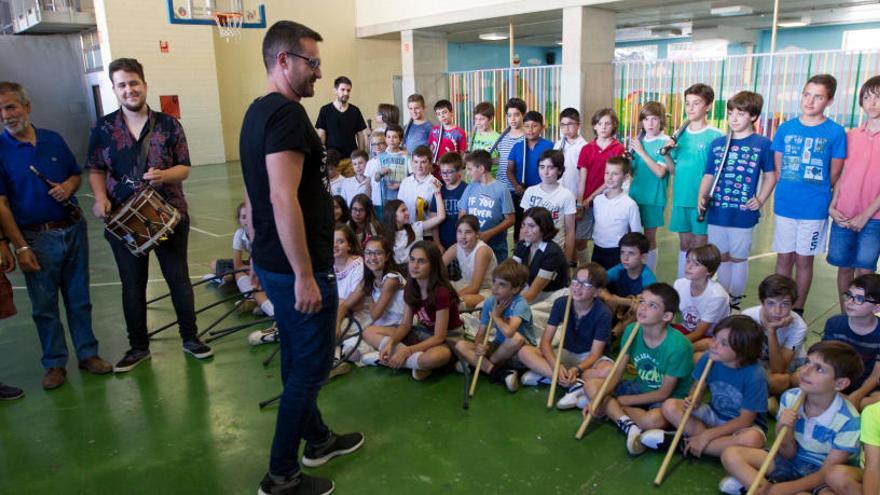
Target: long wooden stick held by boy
{"type": "Point", "coordinates": [702, 211]}
{"type": "Point", "coordinates": [780, 436]}
{"type": "Point", "coordinates": [552, 395]}
{"type": "Point", "coordinates": [597, 401]}
{"type": "Point", "coordinates": [684, 419]}
{"type": "Point", "coordinates": [480, 359]}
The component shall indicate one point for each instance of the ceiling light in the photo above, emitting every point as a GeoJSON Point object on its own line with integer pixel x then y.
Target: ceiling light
{"type": "Point", "coordinates": [793, 22]}
{"type": "Point", "coordinates": [493, 36]}
{"type": "Point", "coordinates": [666, 31]}
{"type": "Point", "coordinates": [725, 10]}
{"type": "Point", "coordinates": [559, 42]}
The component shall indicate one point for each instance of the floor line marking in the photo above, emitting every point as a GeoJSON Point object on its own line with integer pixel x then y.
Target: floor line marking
{"type": "Point", "coordinates": [201, 231]}
{"type": "Point", "coordinates": [110, 284]}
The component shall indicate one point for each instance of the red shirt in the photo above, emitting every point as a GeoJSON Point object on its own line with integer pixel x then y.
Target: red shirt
{"type": "Point", "coordinates": [443, 300]}
{"type": "Point", "coordinates": [593, 159]}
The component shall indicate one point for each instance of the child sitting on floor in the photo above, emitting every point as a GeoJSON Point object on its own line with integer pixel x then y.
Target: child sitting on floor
{"type": "Point", "coordinates": [703, 301]}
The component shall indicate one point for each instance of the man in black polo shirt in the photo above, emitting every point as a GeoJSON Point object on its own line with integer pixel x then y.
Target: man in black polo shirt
{"type": "Point", "coordinates": [340, 125]}
{"type": "Point", "coordinates": [282, 162]}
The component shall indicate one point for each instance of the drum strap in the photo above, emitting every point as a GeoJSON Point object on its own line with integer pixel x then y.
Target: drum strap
{"type": "Point", "coordinates": [145, 149]}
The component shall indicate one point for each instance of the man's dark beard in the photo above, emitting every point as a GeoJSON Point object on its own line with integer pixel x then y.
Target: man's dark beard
{"type": "Point", "coordinates": [137, 108]}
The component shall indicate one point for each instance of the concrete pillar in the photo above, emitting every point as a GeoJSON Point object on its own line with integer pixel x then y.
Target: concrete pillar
{"type": "Point", "coordinates": [587, 56]}
{"type": "Point", "coordinates": [424, 62]}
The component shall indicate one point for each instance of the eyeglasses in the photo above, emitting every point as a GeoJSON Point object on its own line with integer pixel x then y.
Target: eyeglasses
{"type": "Point", "coordinates": [314, 63]}
{"type": "Point", "coordinates": [419, 261]}
{"type": "Point", "coordinates": [357, 209]}
{"type": "Point", "coordinates": [581, 283]}
{"type": "Point", "coordinates": [447, 172]}
{"type": "Point", "coordinates": [371, 253]}
{"type": "Point", "coordinates": [858, 299]}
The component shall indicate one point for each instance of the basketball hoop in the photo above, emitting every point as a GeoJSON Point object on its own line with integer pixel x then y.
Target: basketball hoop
{"type": "Point", "coordinates": [229, 24]}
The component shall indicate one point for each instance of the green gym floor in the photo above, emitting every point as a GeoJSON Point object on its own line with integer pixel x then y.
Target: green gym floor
{"type": "Point", "coordinates": [177, 425]}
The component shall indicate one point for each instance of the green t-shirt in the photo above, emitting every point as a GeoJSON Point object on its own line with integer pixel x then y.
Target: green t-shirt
{"type": "Point", "coordinates": [690, 163]}
{"type": "Point", "coordinates": [673, 357]}
{"type": "Point", "coordinates": [646, 188]}
{"type": "Point", "coordinates": [484, 141]}
{"type": "Point", "coordinates": [871, 425]}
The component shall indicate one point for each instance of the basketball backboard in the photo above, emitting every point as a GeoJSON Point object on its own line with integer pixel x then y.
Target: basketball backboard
{"type": "Point", "coordinates": [202, 11]}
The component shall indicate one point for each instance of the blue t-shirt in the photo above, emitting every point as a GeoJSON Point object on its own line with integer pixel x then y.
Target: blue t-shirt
{"type": "Point", "coordinates": [518, 307]}
{"type": "Point", "coordinates": [621, 285]}
{"type": "Point", "coordinates": [489, 203]}
{"type": "Point", "coordinates": [867, 346]}
{"type": "Point", "coordinates": [733, 389]}
{"type": "Point", "coordinates": [415, 135]}
{"type": "Point", "coordinates": [28, 196]}
{"type": "Point", "coordinates": [581, 332]}
{"type": "Point", "coordinates": [804, 188]}
{"type": "Point", "coordinates": [532, 155]}
{"type": "Point", "coordinates": [746, 159]}
{"type": "Point", "coordinates": [450, 200]}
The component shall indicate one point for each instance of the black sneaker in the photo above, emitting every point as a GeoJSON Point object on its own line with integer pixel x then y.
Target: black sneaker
{"type": "Point", "coordinates": [131, 359]}
{"type": "Point", "coordinates": [736, 303]}
{"type": "Point", "coordinates": [337, 445]}
{"type": "Point", "coordinates": [197, 348]}
{"type": "Point", "coordinates": [8, 392]}
{"type": "Point", "coordinates": [301, 484]}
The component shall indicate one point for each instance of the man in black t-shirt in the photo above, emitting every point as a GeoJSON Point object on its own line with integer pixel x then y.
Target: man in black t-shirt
{"type": "Point", "coordinates": [282, 161]}
{"type": "Point", "coordinates": [340, 125]}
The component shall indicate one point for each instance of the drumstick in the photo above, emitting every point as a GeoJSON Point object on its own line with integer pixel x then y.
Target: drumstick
{"type": "Point", "coordinates": [684, 419]}
{"type": "Point", "coordinates": [600, 395]}
{"type": "Point", "coordinates": [559, 353]}
{"type": "Point", "coordinates": [673, 140]}
{"type": "Point", "coordinates": [480, 359]}
{"type": "Point", "coordinates": [774, 449]}
{"type": "Point", "coordinates": [701, 215]}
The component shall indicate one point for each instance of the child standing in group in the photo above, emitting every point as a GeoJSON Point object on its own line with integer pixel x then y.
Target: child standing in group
{"type": "Point", "coordinates": [570, 144]}
{"type": "Point", "coordinates": [735, 204]}
{"type": "Point", "coordinates": [663, 359]}
{"type": "Point", "coordinates": [387, 114]}
{"type": "Point", "coordinates": [850, 479]}
{"type": "Point", "coordinates": [512, 320]}
{"type": "Point", "coordinates": [522, 163]}
{"type": "Point", "coordinates": [475, 260]}
{"type": "Point", "coordinates": [591, 171]}
{"type": "Point", "coordinates": [558, 200]}
{"type": "Point", "coordinates": [822, 434]}
{"type": "Point", "coordinates": [418, 129]}
{"type": "Point", "coordinates": [363, 220]}
{"type": "Point", "coordinates": [736, 413]}
{"type": "Point", "coordinates": [782, 346]}
{"type": "Point", "coordinates": [689, 155]}
{"type": "Point", "coordinates": [809, 153]}
{"type": "Point", "coordinates": [650, 173]}
{"type": "Point", "coordinates": [453, 189]}
{"type": "Point", "coordinates": [394, 165]}
{"type": "Point", "coordinates": [484, 136]}
{"type": "Point", "coordinates": [359, 183]}
{"type": "Point", "coordinates": [615, 214]}
{"type": "Point", "coordinates": [855, 206]}
{"type": "Point", "coordinates": [397, 226]}
{"type": "Point", "coordinates": [514, 111]}
{"type": "Point", "coordinates": [446, 136]}
{"type": "Point", "coordinates": [703, 301]}
{"type": "Point", "coordinates": [429, 297]}
{"type": "Point", "coordinates": [488, 200]}
{"type": "Point", "coordinates": [586, 336]}
{"type": "Point", "coordinates": [377, 143]}
{"type": "Point", "coordinates": [417, 190]}
{"type": "Point", "coordinates": [860, 327]}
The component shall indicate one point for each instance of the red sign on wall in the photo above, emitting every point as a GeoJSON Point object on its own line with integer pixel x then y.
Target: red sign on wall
{"type": "Point", "coordinates": [163, 46]}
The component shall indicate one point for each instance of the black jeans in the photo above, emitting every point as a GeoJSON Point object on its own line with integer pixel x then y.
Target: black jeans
{"type": "Point", "coordinates": [134, 273]}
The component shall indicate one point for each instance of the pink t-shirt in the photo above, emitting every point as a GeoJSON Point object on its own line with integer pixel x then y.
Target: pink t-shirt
{"type": "Point", "coordinates": [860, 181]}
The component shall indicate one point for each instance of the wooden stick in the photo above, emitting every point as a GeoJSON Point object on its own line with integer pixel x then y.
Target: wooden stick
{"type": "Point", "coordinates": [774, 449]}
{"type": "Point", "coordinates": [684, 419]}
{"type": "Point", "coordinates": [555, 378]}
{"type": "Point", "coordinates": [480, 359]}
{"type": "Point", "coordinates": [600, 395]}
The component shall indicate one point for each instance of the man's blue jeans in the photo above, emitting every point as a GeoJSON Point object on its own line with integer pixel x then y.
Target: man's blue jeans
{"type": "Point", "coordinates": [307, 342]}
{"type": "Point", "coordinates": [63, 255]}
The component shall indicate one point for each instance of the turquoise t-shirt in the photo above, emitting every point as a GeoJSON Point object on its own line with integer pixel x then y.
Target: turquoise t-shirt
{"type": "Point", "coordinates": [646, 188]}
{"type": "Point", "coordinates": [673, 357]}
{"type": "Point", "coordinates": [690, 161]}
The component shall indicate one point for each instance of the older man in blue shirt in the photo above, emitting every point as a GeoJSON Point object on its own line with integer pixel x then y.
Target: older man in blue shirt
{"type": "Point", "coordinates": [48, 233]}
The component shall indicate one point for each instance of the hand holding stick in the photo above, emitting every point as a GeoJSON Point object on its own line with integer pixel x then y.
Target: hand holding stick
{"type": "Point", "coordinates": [480, 359]}
{"type": "Point", "coordinates": [756, 483]}
{"type": "Point", "coordinates": [555, 378]}
{"type": "Point", "coordinates": [597, 401]}
{"type": "Point", "coordinates": [684, 419]}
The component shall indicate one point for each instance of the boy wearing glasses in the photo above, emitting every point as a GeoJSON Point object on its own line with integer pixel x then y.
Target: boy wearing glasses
{"type": "Point", "coordinates": [570, 145]}
{"type": "Point", "coordinates": [453, 188]}
{"type": "Point", "coordinates": [860, 328]}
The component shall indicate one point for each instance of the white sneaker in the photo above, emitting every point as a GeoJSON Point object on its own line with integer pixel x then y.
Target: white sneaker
{"type": "Point", "coordinates": [264, 336]}
{"type": "Point", "coordinates": [532, 379]}
{"type": "Point", "coordinates": [570, 400]}
{"type": "Point", "coordinates": [634, 443]}
{"type": "Point", "coordinates": [459, 367]}
{"type": "Point", "coordinates": [210, 276]}
{"type": "Point", "coordinates": [730, 486]}
{"type": "Point", "coordinates": [511, 381]}
{"type": "Point", "coordinates": [370, 359]}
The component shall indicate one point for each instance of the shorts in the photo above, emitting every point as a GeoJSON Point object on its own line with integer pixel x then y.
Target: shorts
{"type": "Point", "coordinates": [804, 237]}
{"type": "Point", "coordinates": [630, 387]}
{"type": "Point", "coordinates": [737, 242]}
{"type": "Point", "coordinates": [421, 334]}
{"type": "Point", "coordinates": [850, 249]}
{"type": "Point", "coordinates": [652, 216]}
{"type": "Point", "coordinates": [223, 266]}
{"type": "Point", "coordinates": [607, 257]}
{"type": "Point", "coordinates": [684, 220]}
{"type": "Point", "coordinates": [511, 363]}
{"type": "Point", "coordinates": [572, 359]}
{"type": "Point", "coordinates": [792, 469]}
{"type": "Point", "coordinates": [707, 415]}
{"type": "Point", "coordinates": [583, 228]}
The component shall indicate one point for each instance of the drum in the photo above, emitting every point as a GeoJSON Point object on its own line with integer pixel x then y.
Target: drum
{"type": "Point", "coordinates": [143, 221]}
